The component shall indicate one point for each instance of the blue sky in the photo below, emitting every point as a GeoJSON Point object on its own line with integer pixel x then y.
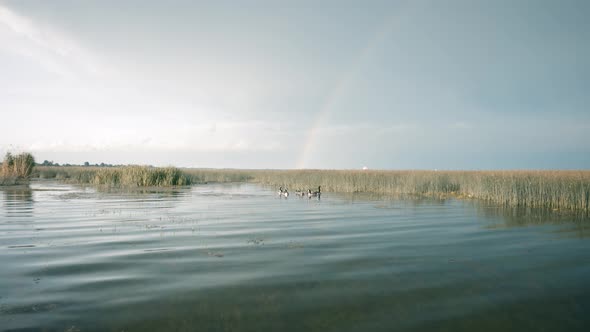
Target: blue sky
{"type": "Point", "coordinates": [301, 84]}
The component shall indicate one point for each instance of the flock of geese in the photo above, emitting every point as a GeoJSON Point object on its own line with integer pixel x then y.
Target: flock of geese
{"type": "Point", "coordinates": [283, 192]}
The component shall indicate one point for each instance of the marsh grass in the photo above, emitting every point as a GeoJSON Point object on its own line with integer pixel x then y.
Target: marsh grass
{"type": "Point", "coordinates": [554, 190]}
{"type": "Point", "coordinates": [204, 175]}
{"type": "Point", "coordinates": [127, 176]}
{"type": "Point", "coordinates": [16, 168]}
{"type": "Point", "coordinates": [140, 176]}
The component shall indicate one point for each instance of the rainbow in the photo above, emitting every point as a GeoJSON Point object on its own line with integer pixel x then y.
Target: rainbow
{"type": "Point", "coordinates": [341, 87]}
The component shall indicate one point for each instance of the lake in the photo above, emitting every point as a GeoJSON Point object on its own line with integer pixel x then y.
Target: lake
{"type": "Point", "coordinates": [235, 257]}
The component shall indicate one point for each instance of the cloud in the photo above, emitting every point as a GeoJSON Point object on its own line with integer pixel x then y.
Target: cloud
{"type": "Point", "coordinates": [161, 136]}
{"type": "Point", "coordinates": [348, 129]}
{"type": "Point", "coordinates": [233, 145]}
{"type": "Point", "coordinates": [461, 125]}
{"type": "Point", "coordinates": [51, 49]}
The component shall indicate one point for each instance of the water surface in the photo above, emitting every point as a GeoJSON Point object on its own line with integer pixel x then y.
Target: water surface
{"type": "Point", "coordinates": [234, 257]}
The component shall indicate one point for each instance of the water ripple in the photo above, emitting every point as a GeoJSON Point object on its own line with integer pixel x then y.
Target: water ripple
{"type": "Point", "coordinates": [236, 257]}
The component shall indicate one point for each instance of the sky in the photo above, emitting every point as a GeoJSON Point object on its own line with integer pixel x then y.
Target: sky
{"type": "Point", "coordinates": [298, 84]}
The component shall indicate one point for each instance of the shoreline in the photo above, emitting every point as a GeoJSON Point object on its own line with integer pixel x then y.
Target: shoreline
{"type": "Point", "coordinates": [557, 190]}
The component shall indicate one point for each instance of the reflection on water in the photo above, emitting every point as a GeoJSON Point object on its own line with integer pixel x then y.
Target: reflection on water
{"type": "Point", "coordinates": [235, 257]}
{"type": "Point", "coordinates": [502, 216]}
{"type": "Point", "coordinates": [17, 201]}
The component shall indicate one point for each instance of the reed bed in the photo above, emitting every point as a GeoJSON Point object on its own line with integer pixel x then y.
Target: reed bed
{"type": "Point", "coordinates": [16, 168]}
{"type": "Point", "coordinates": [555, 190]}
{"type": "Point", "coordinates": [206, 175]}
{"type": "Point", "coordinates": [126, 176]}
{"type": "Point", "coordinates": [140, 175]}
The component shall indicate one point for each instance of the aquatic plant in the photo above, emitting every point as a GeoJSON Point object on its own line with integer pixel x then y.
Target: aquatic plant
{"type": "Point", "coordinates": [558, 190]}
{"type": "Point", "coordinates": [16, 167]}
{"type": "Point", "coordinates": [140, 176]}
{"type": "Point", "coordinates": [205, 175]}
{"type": "Point", "coordinates": [126, 176]}
{"type": "Point", "coordinates": [555, 190]}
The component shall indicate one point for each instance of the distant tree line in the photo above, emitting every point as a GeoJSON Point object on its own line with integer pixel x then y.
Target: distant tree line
{"type": "Point", "coordinates": [86, 164]}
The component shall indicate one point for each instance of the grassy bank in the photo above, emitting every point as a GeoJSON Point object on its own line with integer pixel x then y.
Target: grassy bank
{"type": "Point", "coordinates": [16, 168]}
{"type": "Point", "coordinates": [556, 190]}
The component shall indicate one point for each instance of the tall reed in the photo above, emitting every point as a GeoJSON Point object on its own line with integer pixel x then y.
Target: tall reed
{"type": "Point", "coordinates": [556, 190]}
{"type": "Point", "coordinates": [560, 190]}
{"type": "Point", "coordinates": [16, 167]}
{"type": "Point", "coordinates": [201, 175]}
{"type": "Point", "coordinates": [126, 176]}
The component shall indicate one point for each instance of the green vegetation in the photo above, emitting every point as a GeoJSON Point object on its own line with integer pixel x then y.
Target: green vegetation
{"type": "Point", "coordinates": [16, 168]}
{"type": "Point", "coordinates": [140, 175]}
{"type": "Point", "coordinates": [555, 190]}
{"type": "Point", "coordinates": [125, 176]}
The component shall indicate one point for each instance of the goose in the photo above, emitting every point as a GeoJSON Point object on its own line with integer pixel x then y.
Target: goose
{"type": "Point", "coordinates": [300, 193]}
{"type": "Point", "coordinates": [280, 192]}
{"type": "Point", "coordinates": [285, 193]}
{"type": "Point", "coordinates": [319, 192]}
{"type": "Point", "coordinates": [315, 193]}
